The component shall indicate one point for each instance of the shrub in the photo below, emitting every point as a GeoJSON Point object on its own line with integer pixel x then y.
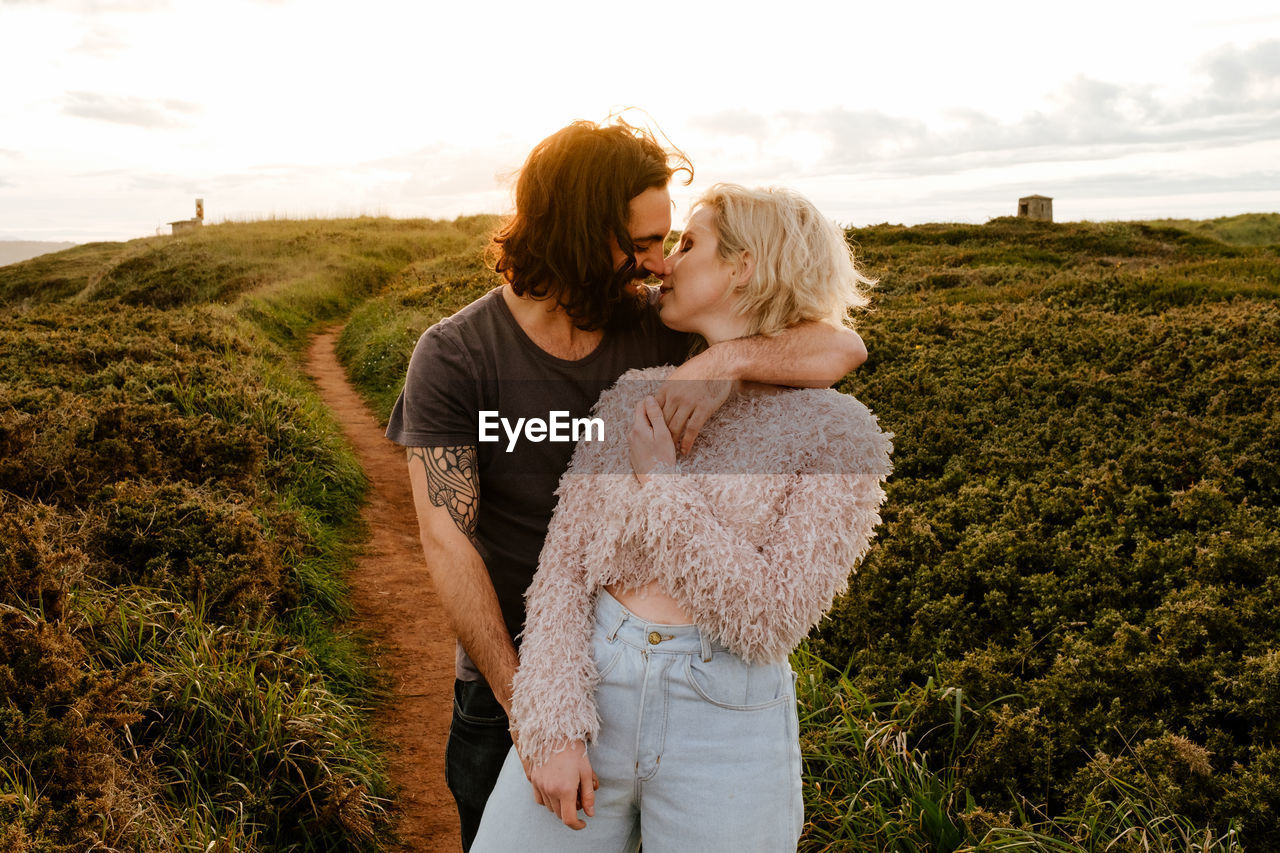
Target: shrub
{"type": "Point", "coordinates": [173, 507]}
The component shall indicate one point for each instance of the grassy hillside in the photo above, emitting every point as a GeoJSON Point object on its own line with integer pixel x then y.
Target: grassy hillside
{"type": "Point", "coordinates": [1081, 528]}
{"type": "Point", "coordinates": [174, 503]}
{"type": "Point", "coordinates": [1064, 639]}
{"type": "Point", "coordinates": [1246, 229]}
{"type": "Point", "coordinates": [281, 274]}
{"type": "Point", "coordinates": [1065, 636]}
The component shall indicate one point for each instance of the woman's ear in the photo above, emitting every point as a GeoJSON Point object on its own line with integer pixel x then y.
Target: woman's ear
{"type": "Point", "coordinates": [743, 269]}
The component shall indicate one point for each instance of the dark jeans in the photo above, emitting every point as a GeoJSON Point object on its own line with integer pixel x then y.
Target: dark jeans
{"type": "Point", "coordinates": [478, 745]}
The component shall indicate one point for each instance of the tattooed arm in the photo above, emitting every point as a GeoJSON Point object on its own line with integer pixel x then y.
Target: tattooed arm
{"type": "Point", "coordinates": [446, 494]}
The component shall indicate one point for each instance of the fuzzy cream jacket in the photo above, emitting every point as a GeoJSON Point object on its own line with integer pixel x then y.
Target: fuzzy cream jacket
{"type": "Point", "coordinates": [754, 533]}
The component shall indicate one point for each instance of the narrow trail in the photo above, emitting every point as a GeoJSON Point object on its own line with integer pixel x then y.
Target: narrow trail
{"type": "Point", "coordinates": [397, 606]}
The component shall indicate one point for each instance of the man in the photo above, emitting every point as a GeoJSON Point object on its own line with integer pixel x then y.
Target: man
{"type": "Point", "coordinates": [592, 213]}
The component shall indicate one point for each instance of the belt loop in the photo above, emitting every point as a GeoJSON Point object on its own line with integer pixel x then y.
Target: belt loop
{"type": "Point", "coordinates": [618, 622]}
{"type": "Point", "coordinates": [706, 647]}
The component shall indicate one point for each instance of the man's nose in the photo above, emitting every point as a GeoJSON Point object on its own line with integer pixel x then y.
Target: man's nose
{"type": "Point", "coordinates": [654, 263]}
{"type": "Point", "coordinates": [659, 266]}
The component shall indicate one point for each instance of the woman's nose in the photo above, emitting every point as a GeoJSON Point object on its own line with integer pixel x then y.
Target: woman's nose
{"type": "Point", "coordinates": [666, 267]}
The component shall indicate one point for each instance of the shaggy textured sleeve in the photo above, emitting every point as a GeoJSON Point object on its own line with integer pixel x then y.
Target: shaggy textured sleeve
{"type": "Point", "coordinates": [552, 693]}
{"type": "Point", "coordinates": [553, 700]}
{"type": "Point", "coordinates": [761, 600]}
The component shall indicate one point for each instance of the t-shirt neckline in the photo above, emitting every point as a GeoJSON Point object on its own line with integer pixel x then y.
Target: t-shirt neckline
{"type": "Point", "coordinates": [531, 346]}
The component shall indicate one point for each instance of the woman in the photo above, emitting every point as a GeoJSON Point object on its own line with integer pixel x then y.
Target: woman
{"type": "Point", "coordinates": [669, 593]}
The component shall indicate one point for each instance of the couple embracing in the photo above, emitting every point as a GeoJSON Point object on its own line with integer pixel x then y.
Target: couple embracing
{"type": "Point", "coordinates": [655, 577]}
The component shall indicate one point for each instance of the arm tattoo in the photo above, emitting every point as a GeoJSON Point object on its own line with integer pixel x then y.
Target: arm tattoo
{"type": "Point", "coordinates": [452, 482]}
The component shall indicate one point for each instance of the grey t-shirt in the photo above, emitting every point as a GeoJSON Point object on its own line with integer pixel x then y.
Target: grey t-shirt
{"type": "Point", "coordinates": [480, 360]}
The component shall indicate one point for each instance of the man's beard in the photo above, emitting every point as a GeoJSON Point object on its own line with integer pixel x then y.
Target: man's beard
{"type": "Point", "coordinates": [631, 300]}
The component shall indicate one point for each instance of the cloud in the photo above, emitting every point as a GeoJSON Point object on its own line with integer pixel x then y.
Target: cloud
{"type": "Point", "coordinates": [1231, 68]}
{"type": "Point", "coordinates": [101, 40]}
{"type": "Point", "coordinates": [444, 170]}
{"type": "Point", "coordinates": [733, 123]}
{"type": "Point", "coordinates": [1147, 184]}
{"type": "Point", "coordinates": [1164, 184]}
{"type": "Point", "coordinates": [1087, 119]}
{"type": "Point", "coordinates": [1242, 79]}
{"type": "Point", "coordinates": [93, 7]}
{"type": "Point", "coordinates": [119, 109]}
{"type": "Point", "coordinates": [431, 175]}
{"type": "Point", "coordinates": [94, 19]}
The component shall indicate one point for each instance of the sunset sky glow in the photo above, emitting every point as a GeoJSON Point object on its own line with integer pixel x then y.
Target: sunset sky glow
{"type": "Point", "coordinates": [115, 116]}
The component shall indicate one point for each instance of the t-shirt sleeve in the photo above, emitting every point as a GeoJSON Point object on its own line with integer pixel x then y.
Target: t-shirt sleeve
{"type": "Point", "coordinates": [439, 405]}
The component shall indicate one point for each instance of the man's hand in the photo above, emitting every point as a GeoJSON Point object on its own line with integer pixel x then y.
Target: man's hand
{"type": "Point", "coordinates": [651, 442]}
{"type": "Point", "coordinates": [692, 394]}
{"type": "Point", "coordinates": [815, 354]}
{"type": "Point", "coordinates": [565, 784]}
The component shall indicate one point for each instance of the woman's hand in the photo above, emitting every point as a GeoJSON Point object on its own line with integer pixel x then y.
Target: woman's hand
{"type": "Point", "coordinates": [565, 784]}
{"type": "Point", "coordinates": [651, 442]}
{"type": "Point", "coordinates": [694, 392]}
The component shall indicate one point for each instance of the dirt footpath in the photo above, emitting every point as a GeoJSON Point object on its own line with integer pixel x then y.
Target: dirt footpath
{"type": "Point", "coordinates": [397, 606]}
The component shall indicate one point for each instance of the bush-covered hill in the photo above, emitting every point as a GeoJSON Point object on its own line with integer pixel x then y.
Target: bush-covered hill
{"type": "Point", "coordinates": [1245, 229]}
{"type": "Point", "coordinates": [1071, 620]}
{"type": "Point", "coordinates": [1083, 514]}
{"type": "Point", "coordinates": [173, 506]}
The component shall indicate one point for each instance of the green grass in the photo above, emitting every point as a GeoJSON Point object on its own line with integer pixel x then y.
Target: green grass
{"type": "Point", "coordinates": [377, 341]}
{"type": "Point", "coordinates": [1245, 229]}
{"type": "Point", "coordinates": [889, 774]}
{"type": "Point", "coordinates": [284, 275]}
{"type": "Point", "coordinates": [241, 728]}
{"type": "Point", "coordinates": [1082, 514]}
{"type": "Point", "coordinates": [174, 514]}
{"type": "Point", "coordinates": [177, 512]}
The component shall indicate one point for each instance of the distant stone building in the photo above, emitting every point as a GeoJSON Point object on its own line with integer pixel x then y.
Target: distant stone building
{"type": "Point", "coordinates": [183, 225]}
{"type": "Point", "coordinates": [1036, 207]}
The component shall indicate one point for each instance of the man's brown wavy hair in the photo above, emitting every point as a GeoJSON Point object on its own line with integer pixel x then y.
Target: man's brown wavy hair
{"type": "Point", "coordinates": [573, 192]}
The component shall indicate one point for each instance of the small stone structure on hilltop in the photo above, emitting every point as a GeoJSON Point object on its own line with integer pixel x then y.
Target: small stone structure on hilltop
{"type": "Point", "coordinates": [1036, 207]}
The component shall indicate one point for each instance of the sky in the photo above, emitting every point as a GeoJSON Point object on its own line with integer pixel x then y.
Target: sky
{"type": "Point", "coordinates": [115, 115]}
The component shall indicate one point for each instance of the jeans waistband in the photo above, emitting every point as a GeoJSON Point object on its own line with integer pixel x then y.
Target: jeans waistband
{"type": "Point", "coordinates": [618, 622]}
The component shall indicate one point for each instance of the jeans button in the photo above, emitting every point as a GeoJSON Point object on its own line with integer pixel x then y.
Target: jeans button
{"type": "Point", "coordinates": [654, 638]}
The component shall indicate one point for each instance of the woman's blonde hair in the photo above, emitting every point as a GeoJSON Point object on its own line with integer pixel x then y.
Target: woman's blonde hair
{"type": "Point", "coordinates": [804, 267]}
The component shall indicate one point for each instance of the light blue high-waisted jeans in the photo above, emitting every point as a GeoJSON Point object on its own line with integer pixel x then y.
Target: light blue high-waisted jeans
{"type": "Point", "coordinates": [698, 751]}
